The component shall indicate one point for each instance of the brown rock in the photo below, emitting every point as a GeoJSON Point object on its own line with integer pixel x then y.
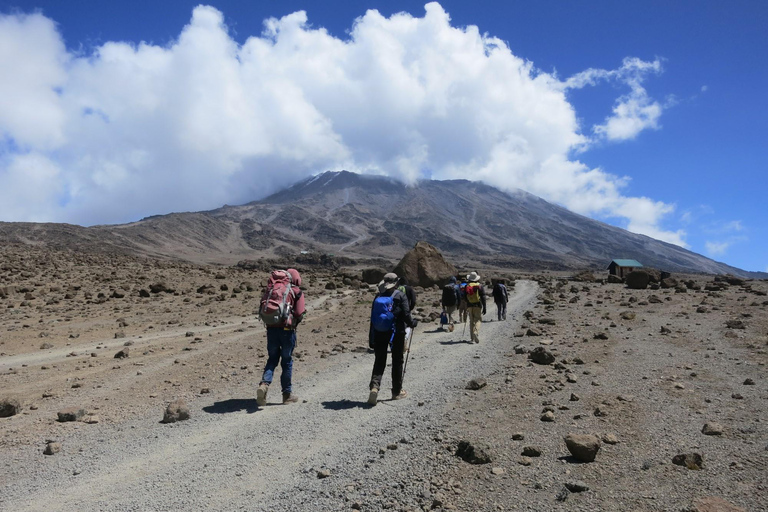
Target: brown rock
{"type": "Point", "coordinates": [638, 280]}
{"type": "Point", "coordinates": [583, 447]}
{"type": "Point", "coordinates": [540, 355]}
{"type": "Point", "coordinates": [474, 453]}
{"type": "Point", "coordinates": [176, 411]}
{"type": "Point", "coordinates": [123, 353]}
{"type": "Point", "coordinates": [690, 460]}
{"type": "Point", "coordinates": [425, 266]}
{"type": "Point", "coordinates": [71, 414]}
{"type": "Point", "coordinates": [52, 448]}
{"type": "Point", "coordinates": [9, 407]}
{"type": "Point", "coordinates": [476, 384]}
{"type": "Point", "coordinates": [712, 429]}
{"type": "Point", "coordinates": [714, 504]}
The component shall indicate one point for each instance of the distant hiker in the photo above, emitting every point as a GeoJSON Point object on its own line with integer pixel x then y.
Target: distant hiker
{"type": "Point", "coordinates": [475, 295]}
{"type": "Point", "coordinates": [463, 301]}
{"type": "Point", "coordinates": [282, 309]}
{"type": "Point", "coordinates": [410, 294]}
{"type": "Point", "coordinates": [390, 315]}
{"type": "Point", "coordinates": [500, 297]}
{"type": "Point", "coordinates": [450, 299]}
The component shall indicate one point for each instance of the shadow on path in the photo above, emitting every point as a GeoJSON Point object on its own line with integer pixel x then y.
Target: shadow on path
{"type": "Point", "coordinates": [232, 405]}
{"type": "Point", "coordinates": [453, 342]}
{"type": "Point", "coordinates": [343, 405]}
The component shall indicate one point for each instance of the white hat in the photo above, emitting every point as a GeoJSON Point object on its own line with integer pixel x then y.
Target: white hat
{"type": "Point", "coordinates": [473, 277]}
{"type": "Point", "coordinates": [389, 282]}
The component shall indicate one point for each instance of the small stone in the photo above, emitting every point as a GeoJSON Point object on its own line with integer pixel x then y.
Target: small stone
{"type": "Point", "coordinates": [205, 391]}
{"type": "Point", "coordinates": [71, 414]}
{"type": "Point", "coordinates": [690, 460]}
{"type": "Point", "coordinates": [524, 461]}
{"type": "Point", "coordinates": [571, 378]}
{"type": "Point", "coordinates": [583, 447]}
{"type": "Point", "coordinates": [9, 407]}
{"type": "Point", "coordinates": [176, 411]}
{"type": "Point", "coordinates": [532, 451]}
{"type": "Point", "coordinates": [574, 397]}
{"type": "Point", "coordinates": [497, 471]}
{"type": "Point", "coordinates": [122, 354]}
{"type": "Point", "coordinates": [91, 419]}
{"type": "Point", "coordinates": [610, 439]}
{"type": "Point", "coordinates": [52, 448]}
{"type": "Point", "coordinates": [600, 413]}
{"type": "Point", "coordinates": [736, 396]}
{"type": "Point", "coordinates": [576, 486]}
{"type": "Point", "coordinates": [323, 473]}
{"type": "Point", "coordinates": [518, 436]}
{"type": "Point", "coordinates": [474, 453]}
{"type": "Point", "coordinates": [749, 382]}
{"type": "Point", "coordinates": [392, 446]}
{"type": "Point", "coordinates": [548, 416]}
{"type": "Point", "coordinates": [540, 355]}
{"type": "Point", "coordinates": [476, 384]}
{"type": "Point", "coordinates": [712, 429]}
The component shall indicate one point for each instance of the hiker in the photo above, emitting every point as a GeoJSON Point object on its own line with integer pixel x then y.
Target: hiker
{"type": "Point", "coordinates": [450, 299]}
{"type": "Point", "coordinates": [475, 295]}
{"type": "Point", "coordinates": [282, 309]}
{"type": "Point", "coordinates": [410, 294]}
{"type": "Point", "coordinates": [390, 314]}
{"type": "Point", "coordinates": [463, 301]}
{"type": "Point", "coordinates": [500, 297]}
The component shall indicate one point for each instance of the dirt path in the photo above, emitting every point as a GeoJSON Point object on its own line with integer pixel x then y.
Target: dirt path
{"type": "Point", "coordinates": [233, 456]}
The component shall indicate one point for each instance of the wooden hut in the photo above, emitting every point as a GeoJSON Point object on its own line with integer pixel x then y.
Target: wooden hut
{"type": "Point", "coordinates": [621, 268]}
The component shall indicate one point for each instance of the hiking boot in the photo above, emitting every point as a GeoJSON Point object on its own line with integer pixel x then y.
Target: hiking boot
{"type": "Point", "coordinates": [477, 341]}
{"type": "Point", "coordinates": [290, 398]}
{"type": "Point", "coordinates": [402, 394]}
{"type": "Point", "coordinates": [373, 396]}
{"type": "Point", "coordinates": [261, 394]}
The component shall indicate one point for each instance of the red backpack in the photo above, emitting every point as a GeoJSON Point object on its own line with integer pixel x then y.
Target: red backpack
{"type": "Point", "coordinates": [277, 302]}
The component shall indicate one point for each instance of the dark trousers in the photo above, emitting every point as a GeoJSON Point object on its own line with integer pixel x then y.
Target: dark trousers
{"type": "Point", "coordinates": [501, 310]}
{"type": "Point", "coordinates": [380, 346]}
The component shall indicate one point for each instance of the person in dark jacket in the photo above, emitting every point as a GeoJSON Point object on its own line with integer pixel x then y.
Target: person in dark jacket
{"type": "Point", "coordinates": [379, 340]}
{"type": "Point", "coordinates": [500, 297]}
{"type": "Point", "coordinates": [474, 306]}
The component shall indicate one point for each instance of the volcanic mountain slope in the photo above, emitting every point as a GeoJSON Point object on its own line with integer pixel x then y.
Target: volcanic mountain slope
{"type": "Point", "coordinates": [371, 216]}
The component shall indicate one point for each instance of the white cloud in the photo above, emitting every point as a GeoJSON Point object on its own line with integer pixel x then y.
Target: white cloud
{"type": "Point", "coordinates": [130, 130]}
{"type": "Point", "coordinates": [717, 248]}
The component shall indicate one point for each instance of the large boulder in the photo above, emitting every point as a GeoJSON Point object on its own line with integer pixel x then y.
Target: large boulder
{"type": "Point", "coordinates": [425, 266]}
{"type": "Point", "coordinates": [638, 279]}
{"type": "Point", "coordinates": [373, 275]}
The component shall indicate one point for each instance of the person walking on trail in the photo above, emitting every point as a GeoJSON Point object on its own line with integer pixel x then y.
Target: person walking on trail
{"type": "Point", "coordinates": [450, 299]}
{"type": "Point", "coordinates": [463, 301]}
{"type": "Point", "coordinates": [410, 294]}
{"type": "Point", "coordinates": [500, 297]}
{"type": "Point", "coordinates": [282, 309]}
{"type": "Point", "coordinates": [475, 295]}
{"type": "Point", "coordinates": [390, 315]}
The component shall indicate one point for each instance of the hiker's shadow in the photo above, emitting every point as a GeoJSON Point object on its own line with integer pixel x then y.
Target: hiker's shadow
{"type": "Point", "coordinates": [233, 405]}
{"type": "Point", "coordinates": [452, 342]}
{"type": "Point", "coordinates": [433, 331]}
{"type": "Point", "coordinates": [343, 405]}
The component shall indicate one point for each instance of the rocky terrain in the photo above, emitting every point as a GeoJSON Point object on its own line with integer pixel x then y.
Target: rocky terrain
{"type": "Point", "coordinates": [664, 387]}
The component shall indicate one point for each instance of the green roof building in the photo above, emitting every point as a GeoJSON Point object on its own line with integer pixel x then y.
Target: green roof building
{"type": "Point", "coordinates": [623, 267]}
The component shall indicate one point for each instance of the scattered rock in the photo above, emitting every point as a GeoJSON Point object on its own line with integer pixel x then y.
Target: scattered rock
{"type": "Point", "coordinates": [689, 460]}
{"type": "Point", "coordinates": [474, 453]}
{"type": "Point", "coordinates": [574, 397]}
{"type": "Point", "coordinates": [518, 436]}
{"type": "Point", "coordinates": [323, 473]}
{"type": "Point", "coordinates": [610, 439]}
{"type": "Point", "coordinates": [524, 461]}
{"type": "Point", "coordinates": [576, 486]}
{"type": "Point", "coordinates": [176, 411]}
{"type": "Point", "coordinates": [52, 448]}
{"type": "Point", "coordinates": [583, 447]}
{"type": "Point", "coordinates": [548, 416]}
{"type": "Point", "coordinates": [71, 414]}
{"type": "Point", "coordinates": [531, 451]}
{"type": "Point", "coordinates": [749, 382]}
{"type": "Point", "coordinates": [628, 315]}
{"type": "Point", "coordinates": [735, 324]}
{"type": "Point", "coordinates": [123, 353]}
{"type": "Point", "coordinates": [712, 429]}
{"type": "Point", "coordinates": [540, 355]}
{"type": "Point", "coordinates": [497, 471]}
{"type": "Point", "coordinates": [476, 384]}
{"type": "Point", "coordinates": [638, 280]}
{"type": "Point", "coordinates": [714, 504]}
{"type": "Point", "coordinates": [9, 407]}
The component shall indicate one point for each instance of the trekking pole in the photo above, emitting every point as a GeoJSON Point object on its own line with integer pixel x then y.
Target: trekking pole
{"type": "Point", "coordinates": [407, 354]}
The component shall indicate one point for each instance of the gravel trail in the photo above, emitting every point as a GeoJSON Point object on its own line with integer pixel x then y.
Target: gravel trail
{"type": "Point", "coordinates": [233, 456]}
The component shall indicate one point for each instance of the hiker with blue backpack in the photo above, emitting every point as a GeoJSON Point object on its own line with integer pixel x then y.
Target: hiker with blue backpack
{"type": "Point", "coordinates": [390, 315]}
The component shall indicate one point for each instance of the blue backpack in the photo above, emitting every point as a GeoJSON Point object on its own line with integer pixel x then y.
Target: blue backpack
{"type": "Point", "coordinates": [382, 316]}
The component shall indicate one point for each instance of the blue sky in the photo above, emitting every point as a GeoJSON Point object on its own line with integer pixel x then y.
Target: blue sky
{"type": "Point", "coordinates": [647, 115]}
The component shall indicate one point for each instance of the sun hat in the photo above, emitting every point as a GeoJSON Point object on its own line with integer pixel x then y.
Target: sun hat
{"type": "Point", "coordinates": [473, 277]}
{"type": "Point", "coordinates": [389, 282]}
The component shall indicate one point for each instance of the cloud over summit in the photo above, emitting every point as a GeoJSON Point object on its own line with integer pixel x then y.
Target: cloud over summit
{"type": "Point", "coordinates": [129, 130]}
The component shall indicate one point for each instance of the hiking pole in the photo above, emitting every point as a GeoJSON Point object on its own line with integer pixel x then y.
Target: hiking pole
{"type": "Point", "coordinates": [407, 354]}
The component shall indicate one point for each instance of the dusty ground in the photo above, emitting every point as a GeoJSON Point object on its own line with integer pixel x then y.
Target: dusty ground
{"type": "Point", "coordinates": [64, 316]}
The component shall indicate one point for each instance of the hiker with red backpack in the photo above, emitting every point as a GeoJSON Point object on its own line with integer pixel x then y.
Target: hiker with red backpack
{"type": "Point", "coordinates": [390, 315]}
{"type": "Point", "coordinates": [475, 295]}
{"type": "Point", "coordinates": [281, 309]}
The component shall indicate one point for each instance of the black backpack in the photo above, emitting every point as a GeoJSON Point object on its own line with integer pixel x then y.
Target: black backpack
{"type": "Point", "coordinates": [449, 295]}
